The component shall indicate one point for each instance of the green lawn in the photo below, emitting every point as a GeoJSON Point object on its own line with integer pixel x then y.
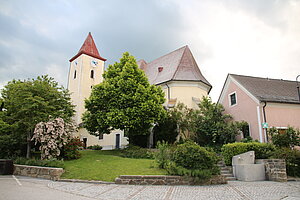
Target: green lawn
{"type": "Point", "coordinates": [107, 165]}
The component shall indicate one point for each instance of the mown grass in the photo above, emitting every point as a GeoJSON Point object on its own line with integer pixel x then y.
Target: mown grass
{"type": "Point", "coordinates": [107, 165]}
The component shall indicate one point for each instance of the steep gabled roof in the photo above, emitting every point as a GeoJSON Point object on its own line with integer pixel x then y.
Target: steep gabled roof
{"type": "Point", "coordinates": [269, 90]}
{"type": "Point", "coordinates": [88, 48]}
{"type": "Point", "coordinates": [178, 65]}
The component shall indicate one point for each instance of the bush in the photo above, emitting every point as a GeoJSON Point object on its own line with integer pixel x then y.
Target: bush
{"type": "Point", "coordinates": [71, 149]}
{"type": "Point", "coordinates": [191, 156]}
{"type": "Point", "coordinates": [262, 150]}
{"type": "Point", "coordinates": [292, 159]}
{"type": "Point", "coordinates": [288, 138]}
{"type": "Point", "coordinates": [164, 154]}
{"type": "Point", "coordinates": [189, 159]}
{"type": "Point", "coordinates": [95, 147]}
{"type": "Point", "coordinates": [201, 174]}
{"type": "Point", "coordinates": [42, 163]}
{"type": "Point", "coordinates": [137, 152]}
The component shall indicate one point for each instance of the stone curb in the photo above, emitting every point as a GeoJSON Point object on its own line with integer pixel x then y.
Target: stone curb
{"type": "Point", "coordinates": [84, 181]}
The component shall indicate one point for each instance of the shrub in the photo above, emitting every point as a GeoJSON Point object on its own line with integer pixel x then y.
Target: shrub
{"type": "Point", "coordinates": [201, 174]}
{"type": "Point", "coordinates": [95, 147]}
{"type": "Point", "coordinates": [42, 163]}
{"type": "Point", "coordinates": [262, 150]}
{"type": "Point", "coordinates": [292, 159]}
{"type": "Point", "coordinates": [191, 156]}
{"type": "Point", "coordinates": [288, 138]}
{"type": "Point", "coordinates": [189, 159]}
{"type": "Point", "coordinates": [71, 149]}
{"type": "Point", "coordinates": [137, 152]}
{"type": "Point", "coordinates": [164, 154]}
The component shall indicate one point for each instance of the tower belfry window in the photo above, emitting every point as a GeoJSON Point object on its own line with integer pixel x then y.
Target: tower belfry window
{"type": "Point", "coordinates": [92, 73]}
{"type": "Point", "coordinates": [74, 74]}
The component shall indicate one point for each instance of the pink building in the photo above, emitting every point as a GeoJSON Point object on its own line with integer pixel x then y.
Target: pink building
{"type": "Point", "coordinates": [262, 102]}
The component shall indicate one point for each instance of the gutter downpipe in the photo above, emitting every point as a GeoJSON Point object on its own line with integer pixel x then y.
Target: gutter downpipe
{"type": "Point", "coordinates": [265, 120]}
{"type": "Point", "coordinates": [168, 91]}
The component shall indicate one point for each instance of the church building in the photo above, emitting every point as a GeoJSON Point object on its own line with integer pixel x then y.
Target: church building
{"type": "Point", "coordinates": [177, 73]}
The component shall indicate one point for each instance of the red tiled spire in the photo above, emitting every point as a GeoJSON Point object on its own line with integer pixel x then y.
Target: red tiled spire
{"type": "Point", "coordinates": [88, 48]}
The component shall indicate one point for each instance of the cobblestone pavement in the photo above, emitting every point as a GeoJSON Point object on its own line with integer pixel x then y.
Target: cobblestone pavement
{"type": "Point", "coordinates": [232, 190]}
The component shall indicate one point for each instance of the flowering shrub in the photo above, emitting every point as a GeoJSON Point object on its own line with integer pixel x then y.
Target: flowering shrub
{"type": "Point", "coordinates": [71, 149]}
{"type": "Point", "coordinates": [52, 136]}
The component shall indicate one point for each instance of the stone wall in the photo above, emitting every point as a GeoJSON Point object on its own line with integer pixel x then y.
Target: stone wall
{"type": "Point", "coordinates": [275, 169]}
{"type": "Point", "coordinates": [38, 172]}
{"type": "Point", "coordinates": [166, 180]}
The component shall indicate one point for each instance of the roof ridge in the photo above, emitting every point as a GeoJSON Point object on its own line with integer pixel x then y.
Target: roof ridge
{"type": "Point", "coordinates": [167, 54]}
{"type": "Point", "coordinates": [262, 77]}
{"type": "Point", "coordinates": [185, 47]}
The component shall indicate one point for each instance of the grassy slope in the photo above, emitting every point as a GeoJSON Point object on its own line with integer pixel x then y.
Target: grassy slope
{"type": "Point", "coordinates": [107, 165]}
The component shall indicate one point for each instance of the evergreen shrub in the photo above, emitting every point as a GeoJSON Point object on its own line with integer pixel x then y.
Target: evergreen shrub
{"type": "Point", "coordinates": [189, 159]}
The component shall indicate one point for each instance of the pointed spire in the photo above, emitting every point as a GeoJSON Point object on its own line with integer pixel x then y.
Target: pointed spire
{"type": "Point", "coordinates": [88, 48]}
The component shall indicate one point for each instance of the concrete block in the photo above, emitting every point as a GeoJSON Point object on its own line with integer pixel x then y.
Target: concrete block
{"type": "Point", "coordinates": [244, 158]}
{"type": "Point", "coordinates": [250, 172]}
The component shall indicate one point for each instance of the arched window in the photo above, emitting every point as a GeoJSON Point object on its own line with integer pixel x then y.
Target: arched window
{"type": "Point", "coordinates": [74, 74]}
{"type": "Point", "coordinates": [92, 73]}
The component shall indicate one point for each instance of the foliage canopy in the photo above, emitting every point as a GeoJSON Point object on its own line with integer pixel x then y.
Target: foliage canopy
{"type": "Point", "coordinates": [124, 100]}
{"type": "Point", "coordinates": [26, 103]}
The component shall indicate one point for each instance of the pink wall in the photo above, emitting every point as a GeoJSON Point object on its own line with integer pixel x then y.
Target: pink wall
{"type": "Point", "coordinates": [283, 115]}
{"type": "Point", "coordinates": [244, 110]}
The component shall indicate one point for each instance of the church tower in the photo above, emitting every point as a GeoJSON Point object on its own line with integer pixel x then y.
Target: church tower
{"type": "Point", "coordinates": [86, 69]}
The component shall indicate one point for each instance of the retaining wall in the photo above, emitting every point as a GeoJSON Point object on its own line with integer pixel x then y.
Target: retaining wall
{"type": "Point", "coordinates": [167, 180]}
{"type": "Point", "coordinates": [275, 169]}
{"type": "Point", "coordinates": [38, 172]}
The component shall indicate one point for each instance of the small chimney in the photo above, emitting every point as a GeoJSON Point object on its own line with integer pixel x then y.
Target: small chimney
{"type": "Point", "coordinates": [160, 69]}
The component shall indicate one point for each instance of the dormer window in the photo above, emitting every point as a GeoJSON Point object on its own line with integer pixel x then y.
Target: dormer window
{"type": "Point", "coordinates": [92, 73]}
{"type": "Point", "coordinates": [232, 99]}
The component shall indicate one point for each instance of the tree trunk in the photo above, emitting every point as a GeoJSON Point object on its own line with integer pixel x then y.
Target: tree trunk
{"type": "Point", "coordinates": [28, 145]}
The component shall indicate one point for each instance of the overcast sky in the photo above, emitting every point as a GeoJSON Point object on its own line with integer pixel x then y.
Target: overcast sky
{"type": "Point", "coordinates": [247, 37]}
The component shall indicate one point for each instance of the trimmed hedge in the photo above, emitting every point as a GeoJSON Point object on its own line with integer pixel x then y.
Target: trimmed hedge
{"type": "Point", "coordinates": [262, 150]}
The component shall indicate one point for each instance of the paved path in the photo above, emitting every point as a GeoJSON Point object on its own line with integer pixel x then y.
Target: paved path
{"type": "Point", "coordinates": [30, 188]}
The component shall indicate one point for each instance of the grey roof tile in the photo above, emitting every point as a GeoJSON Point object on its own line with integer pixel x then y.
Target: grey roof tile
{"type": "Point", "coordinates": [270, 90]}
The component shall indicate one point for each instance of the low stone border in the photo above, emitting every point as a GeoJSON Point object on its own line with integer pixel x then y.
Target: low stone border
{"type": "Point", "coordinates": [166, 180]}
{"type": "Point", "coordinates": [38, 172]}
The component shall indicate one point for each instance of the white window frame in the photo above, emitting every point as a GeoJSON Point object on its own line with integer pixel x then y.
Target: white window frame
{"type": "Point", "coordinates": [229, 99]}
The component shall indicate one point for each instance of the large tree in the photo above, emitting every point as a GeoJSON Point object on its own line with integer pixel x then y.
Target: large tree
{"type": "Point", "coordinates": [124, 100]}
{"type": "Point", "coordinates": [28, 102]}
{"type": "Point", "coordinates": [212, 126]}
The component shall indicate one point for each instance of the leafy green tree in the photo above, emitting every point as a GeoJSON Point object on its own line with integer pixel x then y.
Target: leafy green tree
{"type": "Point", "coordinates": [28, 102]}
{"type": "Point", "coordinates": [212, 127]}
{"type": "Point", "coordinates": [124, 100]}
